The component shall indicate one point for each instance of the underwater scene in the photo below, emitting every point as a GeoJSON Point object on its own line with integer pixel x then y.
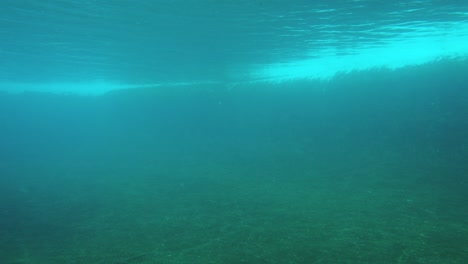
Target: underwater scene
{"type": "Point", "coordinates": [262, 132]}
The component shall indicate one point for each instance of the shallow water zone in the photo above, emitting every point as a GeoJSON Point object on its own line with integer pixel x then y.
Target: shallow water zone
{"type": "Point", "coordinates": [368, 168]}
{"type": "Point", "coordinates": [259, 132]}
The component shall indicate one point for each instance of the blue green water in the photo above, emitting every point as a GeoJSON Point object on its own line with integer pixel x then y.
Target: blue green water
{"type": "Point", "coordinates": [90, 47]}
{"type": "Point", "coordinates": [143, 132]}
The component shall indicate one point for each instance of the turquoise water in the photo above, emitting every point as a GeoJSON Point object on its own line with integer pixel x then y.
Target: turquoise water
{"type": "Point", "coordinates": [140, 132]}
{"type": "Point", "coordinates": [91, 47]}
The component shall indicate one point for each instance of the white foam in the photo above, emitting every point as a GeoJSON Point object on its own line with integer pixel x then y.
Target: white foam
{"type": "Point", "coordinates": [424, 44]}
{"type": "Point", "coordinates": [401, 52]}
{"type": "Point", "coordinates": [93, 88]}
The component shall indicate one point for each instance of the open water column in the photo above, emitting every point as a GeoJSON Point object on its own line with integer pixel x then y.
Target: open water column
{"type": "Point", "coordinates": [200, 131]}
